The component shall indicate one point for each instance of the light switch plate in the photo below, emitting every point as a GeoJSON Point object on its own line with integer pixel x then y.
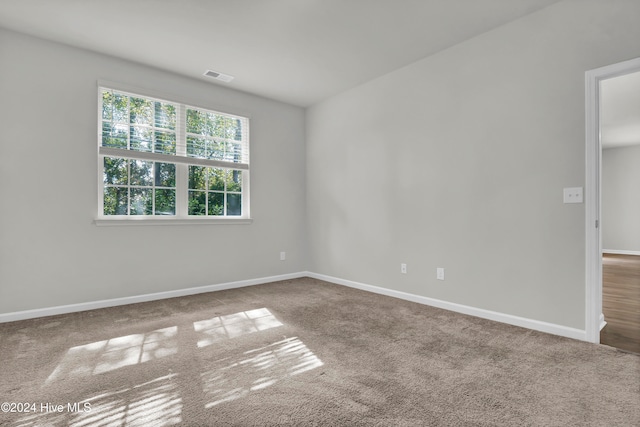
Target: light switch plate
{"type": "Point", "coordinates": [573, 195]}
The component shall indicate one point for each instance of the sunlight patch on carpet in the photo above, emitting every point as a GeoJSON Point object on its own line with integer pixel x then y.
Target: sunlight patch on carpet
{"type": "Point", "coordinates": [153, 403]}
{"type": "Point", "coordinates": [256, 370]}
{"type": "Point", "coordinates": [234, 325]}
{"type": "Point", "coordinates": [108, 355]}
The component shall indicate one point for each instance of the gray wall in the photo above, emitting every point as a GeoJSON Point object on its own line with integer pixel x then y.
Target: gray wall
{"type": "Point", "coordinates": [50, 251]}
{"type": "Point", "coordinates": [455, 161]}
{"type": "Point", "coordinates": [621, 199]}
{"type": "Point", "coordinates": [459, 161]}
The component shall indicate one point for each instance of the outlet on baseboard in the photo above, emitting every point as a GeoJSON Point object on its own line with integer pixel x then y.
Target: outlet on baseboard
{"type": "Point", "coordinates": [403, 268]}
{"type": "Point", "coordinates": [283, 256]}
{"type": "Point", "coordinates": [440, 273]}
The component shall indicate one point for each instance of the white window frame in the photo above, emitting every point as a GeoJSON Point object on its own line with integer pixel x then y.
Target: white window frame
{"type": "Point", "coordinates": [181, 161]}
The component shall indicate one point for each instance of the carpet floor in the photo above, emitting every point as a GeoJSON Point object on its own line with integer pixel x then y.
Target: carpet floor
{"type": "Point", "coordinates": [304, 352]}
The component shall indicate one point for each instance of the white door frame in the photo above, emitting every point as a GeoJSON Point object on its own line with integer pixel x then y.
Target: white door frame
{"type": "Point", "coordinates": [594, 317]}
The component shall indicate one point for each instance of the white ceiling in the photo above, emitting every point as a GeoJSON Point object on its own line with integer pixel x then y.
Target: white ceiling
{"type": "Point", "coordinates": [620, 111]}
{"type": "Point", "coordinates": [296, 51]}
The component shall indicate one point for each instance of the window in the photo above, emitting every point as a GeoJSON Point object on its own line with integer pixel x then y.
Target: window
{"type": "Point", "coordinates": [161, 160]}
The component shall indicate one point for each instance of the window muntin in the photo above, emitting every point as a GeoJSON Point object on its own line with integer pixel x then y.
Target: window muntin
{"type": "Point", "coordinates": [214, 136]}
{"type": "Point", "coordinates": [215, 191]}
{"type": "Point", "coordinates": [160, 158]}
{"type": "Point", "coordinates": [137, 123]}
{"type": "Point", "coordinates": [139, 187]}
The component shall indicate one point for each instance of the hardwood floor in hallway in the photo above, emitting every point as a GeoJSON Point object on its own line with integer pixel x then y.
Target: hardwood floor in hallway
{"type": "Point", "coordinates": [621, 301]}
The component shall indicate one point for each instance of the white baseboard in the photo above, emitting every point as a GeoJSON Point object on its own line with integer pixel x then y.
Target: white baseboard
{"type": "Point", "coordinates": [459, 308]}
{"type": "Point", "coordinates": [71, 308]}
{"type": "Point", "coordinates": [537, 325]}
{"type": "Point", "coordinates": [619, 252]}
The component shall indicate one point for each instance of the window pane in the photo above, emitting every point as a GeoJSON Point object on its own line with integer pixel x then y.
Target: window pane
{"type": "Point", "coordinates": [115, 201]}
{"type": "Point", "coordinates": [237, 130]}
{"type": "Point", "coordinates": [229, 128]}
{"type": "Point", "coordinates": [220, 128]}
{"type": "Point", "coordinates": [120, 108]}
{"type": "Point", "coordinates": [165, 202]}
{"type": "Point", "coordinates": [141, 172]}
{"type": "Point", "coordinates": [141, 111]}
{"type": "Point", "coordinates": [114, 135]}
{"type": "Point", "coordinates": [234, 180]}
{"type": "Point", "coordinates": [196, 147]}
{"type": "Point", "coordinates": [197, 203]}
{"type": "Point", "coordinates": [197, 178]}
{"type": "Point", "coordinates": [141, 138]}
{"type": "Point", "coordinates": [165, 115]}
{"type": "Point", "coordinates": [141, 201]}
{"type": "Point", "coordinates": [216, 203]}
{"type": "Point", "coordinates": [234, 204]}
{"type": "Point", "coordinates": [214, 150]}
{"type": "Point", "coordinates": [229, 154]}
{"type": "Point", "coordinates": [196, 122]}
{"type": "Point", "coordinates": [115, 171]}
{"type": "Point", "coordinates": [216, 179]}
{"type": "Point", "coordinates": [165, 175]}
{"type": "Point", "coordinates": [107, 105]}
{"type": "Point", "coordinates": [165, 142]}
{"type": "Point", "coordinates": [234, 152]}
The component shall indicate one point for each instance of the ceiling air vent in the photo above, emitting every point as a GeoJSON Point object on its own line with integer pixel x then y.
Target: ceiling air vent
{"type": "Point", "coordinates": [218, 76]}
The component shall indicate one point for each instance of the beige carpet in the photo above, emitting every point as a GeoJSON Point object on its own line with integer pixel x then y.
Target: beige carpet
{"type": "Point", "coordinates": [305, 352]}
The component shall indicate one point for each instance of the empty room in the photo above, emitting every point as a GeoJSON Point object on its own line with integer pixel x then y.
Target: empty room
{"type": "Point", "coordinates": [306, 212]}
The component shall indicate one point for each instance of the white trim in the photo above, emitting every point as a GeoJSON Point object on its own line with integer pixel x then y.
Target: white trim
{"type": "Point", "coordinates": [523, 322]}
{"type": "Point", "coordinates": [593, 273]}
{"type": "Point", "coordinates": [92, 305]}
{"type": "Point", "coordinates": [620, 252]}
{"type": "Point", "coordinates": [123, 153]}
{"type": "Point", "coordinates": [603, 322]}
{"type": "Point", "coordinates": [593, 233]}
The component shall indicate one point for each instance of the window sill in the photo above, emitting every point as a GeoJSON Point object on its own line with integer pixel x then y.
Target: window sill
{"type": "Point", "coordinates": [110, 222]}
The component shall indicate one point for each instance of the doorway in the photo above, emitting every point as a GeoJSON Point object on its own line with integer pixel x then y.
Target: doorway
{"type": "Point", "coordinates": [595, 320]}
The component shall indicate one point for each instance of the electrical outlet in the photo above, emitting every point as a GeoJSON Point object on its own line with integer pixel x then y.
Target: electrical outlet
{"type": "Point", "coordinates": [403, 268]}
{"type": "Point", "coordinates": [572, 195]}
{"type": "Point", "coordinates": [440, 273]}
{"type": "Point", "coordinates": [283, 256]}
